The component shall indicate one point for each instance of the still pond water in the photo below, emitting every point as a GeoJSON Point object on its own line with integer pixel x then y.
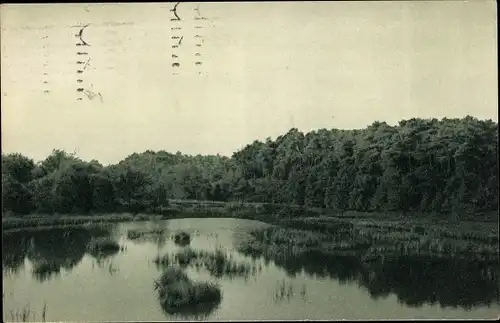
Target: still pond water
{"type": "Point", "coordinates": [119, 287]}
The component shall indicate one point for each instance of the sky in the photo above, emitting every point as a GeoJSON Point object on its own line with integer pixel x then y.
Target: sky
{"type": "Point", "coordinates": [247, 71]}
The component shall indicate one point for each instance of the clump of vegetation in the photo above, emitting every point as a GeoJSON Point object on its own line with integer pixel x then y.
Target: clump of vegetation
{"type": "Point", "coordinates": [217, 263]}
{"type": "Point", "coordinates": [177, 293]}
{"type": "Point", "coordinates": [102, 247]}
{"type": "Point", "coordinates": [182, 238]}
{"type": "Point", "coordinates": [138, 234]}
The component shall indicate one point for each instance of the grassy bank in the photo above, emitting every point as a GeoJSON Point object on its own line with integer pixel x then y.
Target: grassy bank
{"type": "Point", "coordinates": [300, 228]}
{"type": "Point", "coordinates": [372, 239]}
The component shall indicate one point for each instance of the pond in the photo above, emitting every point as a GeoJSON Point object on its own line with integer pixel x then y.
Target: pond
{"type": "Point", "coordinates": [51, 274]}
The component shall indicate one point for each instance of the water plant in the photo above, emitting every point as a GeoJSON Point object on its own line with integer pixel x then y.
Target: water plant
{"type": "Point", "coordinates": [102, 247]}
{"type": "Point", "coordinates": [177, 293]}
{"type": "Point", "coordinates": [217, 262]}
{"type": "Point", "coordinates": [182, 238]}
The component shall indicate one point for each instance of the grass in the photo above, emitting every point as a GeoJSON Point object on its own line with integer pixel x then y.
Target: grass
{"type": "Point", "coordinates": [102, 247]}
{"type": "Point", "coordinates": [182, 238]}
{"type": "Point", "coordinates": [11, 223]}
{"type": "Point", "coordinates": [27, 314]}
{"type": "Point", "coordinates": [366, 237]}
{"type": "Point", "coordinates": [144, 233]}
{"type": "Point", "coordinates": [217, 263]}
{"type": "Point", "coordinates": [177, 293]}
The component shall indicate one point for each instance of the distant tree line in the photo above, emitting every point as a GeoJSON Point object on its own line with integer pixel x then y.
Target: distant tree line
{"type": "Point", "coordinates": [419, 165]}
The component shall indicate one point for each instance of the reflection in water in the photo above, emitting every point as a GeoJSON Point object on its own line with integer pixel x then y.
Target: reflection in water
{"type": "Point", "coordinates": [49, 251]}
{"type": "Point", "coordinates": [414, 280]}
{"type": "Point", "coordinates": [14, 248]}
{"type": "Point", "coordinates": [300, 283]}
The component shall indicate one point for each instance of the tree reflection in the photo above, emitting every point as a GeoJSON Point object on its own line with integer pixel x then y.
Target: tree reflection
{"type": "Point", "coordinates": [49, 250]}
{"type": "Point", "coordinates": [14, 249]}
{"type": "Point", "coordinates": [414, 280]}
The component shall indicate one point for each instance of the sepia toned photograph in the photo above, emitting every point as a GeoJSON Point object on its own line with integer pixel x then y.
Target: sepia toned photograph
{"type": "Point", "coordinates": [249, 161]}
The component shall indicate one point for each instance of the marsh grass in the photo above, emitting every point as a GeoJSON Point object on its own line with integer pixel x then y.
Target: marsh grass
{"type": "Point", "coordinates": [178, 294]}
{"type": "Point", "coordinates": [26, 314]}
{"type": "Point", "coordinates": [217, 262]}
{"type": "Point", "coordinates": [182, 238]}
{"type": "Point", "coordinates": [385, 237]}
{"type": "Point", "coordinates": [102, 247]}
{"type": "Point", "coordinates": [37, 221]}
{"type": "Point", "coordinates": [144, 233]}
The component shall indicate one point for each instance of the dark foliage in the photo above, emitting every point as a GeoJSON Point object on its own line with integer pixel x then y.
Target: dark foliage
{"type": "Point", "coordinates": [444, 166]}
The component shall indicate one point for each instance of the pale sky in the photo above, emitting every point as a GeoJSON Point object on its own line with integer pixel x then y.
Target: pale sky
{"type": "Point", "coordinates": [266, 67]}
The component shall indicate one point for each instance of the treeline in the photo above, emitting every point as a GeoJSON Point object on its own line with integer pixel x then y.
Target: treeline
{"type": "Point", "coordinates": [447, 165]}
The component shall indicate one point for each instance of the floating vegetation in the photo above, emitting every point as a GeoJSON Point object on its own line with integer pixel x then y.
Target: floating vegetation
{"type": "Point", "coordinates": [178, 294]}
{"type": "Point", "coordinates": [102, 247]}
{"type": "Point", "coordinates": [182, 238]}
{"type": "Point", "coordinates": [217, 263]}
{"type": "Point", "coordinates": [144, 234]}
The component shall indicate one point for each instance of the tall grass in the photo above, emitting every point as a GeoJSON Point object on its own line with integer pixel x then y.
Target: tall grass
{"type": "Point", "coordinates": [177, 293]}
{"type": "Point", "coordinates": [217, 263]}
{"type": "Point", "coordinates": [102, 247]}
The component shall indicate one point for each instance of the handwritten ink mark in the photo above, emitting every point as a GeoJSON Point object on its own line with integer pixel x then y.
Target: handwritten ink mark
{"type": "Point", "coordinates": [80, 34]}
{"type": "Point", "coordinates": [175, 28]}
{"type": "Point", "coordinates": [79, 81]}
{"type": "Point", "coordinates": [46, 91]}
{"type": "Point", "coordinates": [176, 64]}
{"type": "Point", "coordinates": [198, 27]}
{"type": "Point", "coordinates": [198, 36]}
{"type": "Point", "coordinates": [79, 71]}
{"type": "Point", "coordinates": [174, 10]}
{"type": "Point", "coordinates": [86, 64]}
{"type": "Point", "coordinates": [45, 82]}
{"type": "Point", "coordinates": [82, 53]}
{"type": "Point", "coordinates": [175, 46]}
{"type": "Point", "coordinates": [180, 41]}
{"type": "Point", "coordinates": [80, 62]}
{"type": "Point", "coordinates": [91, 95]}
{"type": "Point", "coordinates": [79, 89]}
{"type": "Point", "coordinates": [200, 17]}
{"type": "Point", "coordinates": [174, 56]}
{"type": "Point", "coordinates": [197, 54]}
{"type": "Point", "coordinates": [79, 99]}
{"type": "Point", "coordinates": [197, 63]}
{"type": "Point", "coordinates": [199, 45]}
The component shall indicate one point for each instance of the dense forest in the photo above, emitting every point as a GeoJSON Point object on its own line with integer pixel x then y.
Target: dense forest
{"type": "Point", "coordinates": [424, 165]}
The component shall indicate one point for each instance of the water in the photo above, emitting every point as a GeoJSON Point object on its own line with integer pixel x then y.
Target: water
{"type": "Point", "coordinates": [79, 287]}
